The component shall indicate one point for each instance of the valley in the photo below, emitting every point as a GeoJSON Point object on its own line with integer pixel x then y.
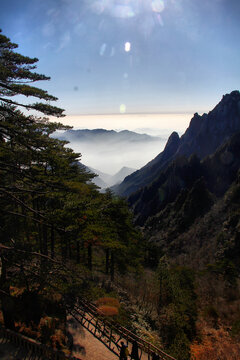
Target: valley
{"type": "Point", "coordinates": [108, 151]}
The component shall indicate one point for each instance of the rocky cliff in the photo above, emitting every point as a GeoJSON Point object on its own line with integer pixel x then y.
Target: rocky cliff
{"type": "Point", "coordinates": [204, 135]}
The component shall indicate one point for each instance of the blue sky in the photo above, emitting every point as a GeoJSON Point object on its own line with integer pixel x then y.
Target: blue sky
{"type": "Point", "coordinates": [133, 56]}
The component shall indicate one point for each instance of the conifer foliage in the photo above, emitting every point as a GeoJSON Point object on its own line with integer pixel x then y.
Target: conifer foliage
{"type": "Point", "coordinates": [16, 77]}
{"type": "Point", "coordinates": [51, 214]}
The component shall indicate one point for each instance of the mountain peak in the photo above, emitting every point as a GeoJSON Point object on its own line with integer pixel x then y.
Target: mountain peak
{"type": "Point", "coordinates": [172, 138]}
{"type": "Point", "coordinates": [233, 94]}
{"type": "Point", "coordinates": [204, 135]}
{"type": "Point", "coordinates": [172, 144]}
{"type": "Point", "coordinates": [229, 102]}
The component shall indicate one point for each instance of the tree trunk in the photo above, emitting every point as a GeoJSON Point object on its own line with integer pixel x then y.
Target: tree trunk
{"type": "Point", "coordinates": [90, 257]}
{"type": "Point", "coordinates": [64, 247]}
{"type": "Point", "coordinates": [112, 269]}
{"type": "Point", "coordinates": [39, 229]}
{"type": "Point", "coordinates": [78, 252]}
{"type": "Point", "coordinates": [45, 240]}
{"type": "Point", "coordinates": [69, 249]}
{"type": "Point", "coordinates": [6, 301]}
{"type": "Point", "coordinates": [52, 242]}
{"type": "Point", "coordinates": [107, 261]}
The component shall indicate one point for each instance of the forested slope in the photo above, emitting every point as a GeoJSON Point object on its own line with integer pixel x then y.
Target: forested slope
{"type": "Point", "coordinates": [55, 227]}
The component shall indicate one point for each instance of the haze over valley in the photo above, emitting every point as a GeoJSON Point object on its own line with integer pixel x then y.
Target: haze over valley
{"type": "Point", "coordinates": [108, 151]}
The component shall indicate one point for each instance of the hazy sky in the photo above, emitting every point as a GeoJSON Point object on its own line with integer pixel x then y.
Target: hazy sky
{"type": "Point", "coordinates": [132, 56]}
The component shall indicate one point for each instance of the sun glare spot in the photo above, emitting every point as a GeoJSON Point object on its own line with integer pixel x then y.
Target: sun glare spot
{"type": "Point", "coordinates": [122, 109]}
{"type": "Point", "coordinates": [127, 46]}
{"type": "Point", "coordinates": [157, 6]}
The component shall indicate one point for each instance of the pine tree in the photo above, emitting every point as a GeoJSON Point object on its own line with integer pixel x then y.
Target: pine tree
{"type": "Point", "coordinates": [16, 77]}
{"type": "Point", "coordinates": [36, 173]}
{"type": "Point", "coordinates": [52, 216]}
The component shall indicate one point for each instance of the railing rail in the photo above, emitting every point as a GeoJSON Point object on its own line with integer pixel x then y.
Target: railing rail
{"type": "Point", "coordinates": [109, 332]}
{"type": "Point", "coordinates": [88, 315]}
{"type": "Point", "coordinates": [33, 346]}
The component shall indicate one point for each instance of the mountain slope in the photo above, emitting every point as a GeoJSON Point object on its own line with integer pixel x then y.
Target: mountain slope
{"type": "Point", "coordinates": [148, 172]}
{"type": "Point", "coordinates": [104, 180]}
{"type": "Point", "coordinates": [212, 238]}
{"type": "Point", "coordinates": [217, 170]}
{"type": "Point", "coordinates": [204, 134]}
{"type": "Point", "coordinates": [121, 174]}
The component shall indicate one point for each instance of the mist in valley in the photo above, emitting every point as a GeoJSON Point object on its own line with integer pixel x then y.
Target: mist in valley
{"type": "Point", "coordinates": [110, 151]}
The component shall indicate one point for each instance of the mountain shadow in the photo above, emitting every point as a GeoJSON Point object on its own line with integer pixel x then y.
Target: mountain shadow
{"type": "Point", "coordinates": [218, 171]}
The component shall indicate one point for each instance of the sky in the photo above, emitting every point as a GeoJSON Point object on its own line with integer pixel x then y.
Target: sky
{"type": "Point", "coordinates": [127, 57]}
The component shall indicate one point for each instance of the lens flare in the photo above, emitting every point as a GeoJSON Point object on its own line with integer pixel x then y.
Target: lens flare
{"type": "Point", "coordinates": [157, 6]}
{"type": "Point", "coordinates": [122, 109]}
{"type": "Point", "coordinates": [122, 11]}
{"type": "Point", "coordinates": [127, 46]}
{"type": "Point", "coordinates": [102, 49]}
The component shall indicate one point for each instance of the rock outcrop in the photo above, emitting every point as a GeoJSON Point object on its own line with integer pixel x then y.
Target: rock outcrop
{"type": "Point", "coordinates": [204, 135]}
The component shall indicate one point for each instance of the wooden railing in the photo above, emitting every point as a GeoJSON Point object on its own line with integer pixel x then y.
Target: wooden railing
{"type": "Point", "coordinates": [107, 331]}
{"type": "Point", "coordinates": [110, 333]}
{"type": "Point", "coordinates": [33, 347]}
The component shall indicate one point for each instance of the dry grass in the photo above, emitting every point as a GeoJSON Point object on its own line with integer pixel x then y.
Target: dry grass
{"type": "Point", "coordinates": [107, 310]}
{"type": "Point", "coordinates": [215, 344]}
{"type": "Point", "coordinates": [108, 306]}
{"type": "Point", "coordinates": [108, 301]}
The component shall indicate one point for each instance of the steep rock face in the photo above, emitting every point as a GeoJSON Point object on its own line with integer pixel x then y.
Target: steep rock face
{"type": "Point", "coordinates": [151, 170]}
{"type": "Point", "coordinates": [218, 171]}
{"type": "Point", "coordinates": [181, 173]}
{"type": "Point", "coordinates": [203, 136]}
{"type": "Point", "coordinates": [207, 132]}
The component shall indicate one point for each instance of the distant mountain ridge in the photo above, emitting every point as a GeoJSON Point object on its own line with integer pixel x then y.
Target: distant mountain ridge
{"type": "Point", "coordinates": [99, 135]}
{"type": "Point", "coordinates": [204, 134]}
{"type": "Point", "coordinates": [104, 180]}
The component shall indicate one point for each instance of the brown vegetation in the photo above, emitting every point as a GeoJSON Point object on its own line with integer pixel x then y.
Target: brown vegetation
{"type": "Point", "coordinates": [215, 344]}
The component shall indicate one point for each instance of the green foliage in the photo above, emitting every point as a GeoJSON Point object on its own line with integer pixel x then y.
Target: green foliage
{"type": "Point", "coordinates": [15, 76]}
{"type": "Point", "coordinates": [226, 268]}
{"type": "Point", "coordinates": [180, 347]}
{"type": "Point", "coordinates": [51, 214]}
{"type": "Point", "coordinates": [234, 194]}
{"type": "Point", "coordinates": [177, 308]}
{"type": "Point", "coordinates": [177, 217]}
